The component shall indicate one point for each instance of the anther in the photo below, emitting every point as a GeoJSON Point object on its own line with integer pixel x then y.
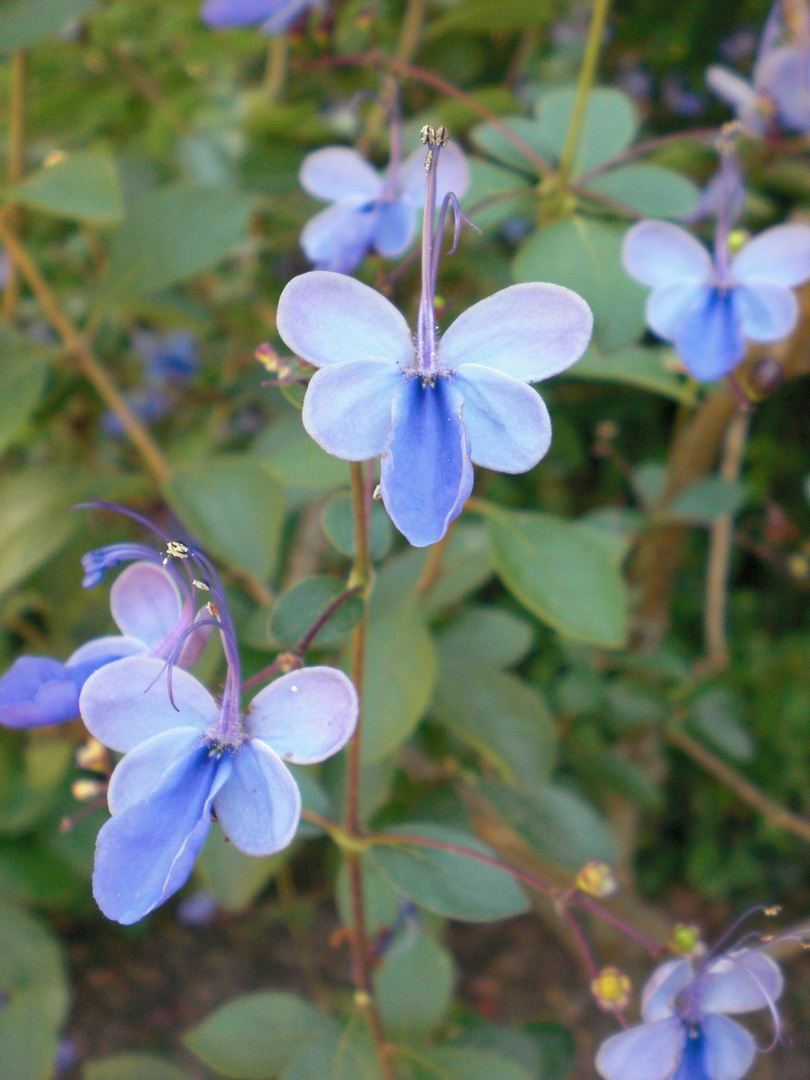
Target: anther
{"type": "Point", "coordinates": [203, 585]}
{"type": "Point", "coordinates": [175, 550]}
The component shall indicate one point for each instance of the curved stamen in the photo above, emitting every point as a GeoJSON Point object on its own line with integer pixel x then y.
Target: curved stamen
{"type": "Point", "coordinates": [449, 200]}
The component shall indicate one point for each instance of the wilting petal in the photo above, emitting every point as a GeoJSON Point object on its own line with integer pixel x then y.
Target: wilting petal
{"type": "Point", "coordinates": [127, 702]}
{"type": "Point", "coordinates": [710, 341]}
{"type": "Point", "coordinates": [37, 691]}
{"type": "Point", "coordinates": [658, 252]}
{"type": "Point", "coordinates": [146, 603]}
{"type": "Point", "coordinates": [394, 229]}
{"type": "Point", "coordinates": [425, 473]}
{"type": "Point", "coordinates": [731, 88]}
{"type": "Point", "coordinates": [260, 805]}
{"type": "Point", "coordinates": [141, 771]}
{"type": "Point", "coordinates": [145, 853]}
{"type": "Point", "coordinates": [528, 331]}
{"type": "Point", "coordinates": [338, 238]}
{"type": "Point", "coordinates": [328, 318]}
{"type": "Point", "coordinates": [305, 716]}
{"type": "Point", "coordinates": [669, 305]}
{"type": "Point", "coordinates": [506, 421]}
{"type": "Point", "coordinates": [347, 408]}
{"type": "Point", "coordinates": [285, 12]}
{"type": "Point", "coordinates": [225, 13]}
{"type": "Point", "coordinates": [663, 987]}
{"type": "Point", "coordinates": [646, 1052]}
{"type": "Point", "coordinates": [741, 982]}
{"type": "Point", "coordinates": [769, 312]}
{"type": "Point", "coordinates": [728, 1049]}
{"type": "Point", "coordinates": [338, 172]}
{"type": "Point", "coordinates": [452, 174]}
{"type": "Point", "coordinates": [780, 255]}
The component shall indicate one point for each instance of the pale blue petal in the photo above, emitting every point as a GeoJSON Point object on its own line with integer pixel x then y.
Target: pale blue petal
{"type": "Point", "coordinates": [769, 312]}
{"type": "Point", "coordinates": [146, 603]}
{"type": "Point", "coordinates": [36, 691]}
{"type": "Point", "coordinates": [784, 76]}
{"type": "Point", "coordinates": [305, 716]}
{"type": "Point", "coordinates": [146, 853]}
{"type": "Point", "coordinates": [732, 88]}
{"type": "Point", "coordinates": [780, 255]}
{"type": "Point", "coordinates": [339, 237]}
{"type": "Point", "coordinates": [227, 13]}
{"type": "Point", "coordinates": [347, 407]}
{"type": "Point", "coordinates": [126, 703]}
{"type": "Point", "coordinates": [100, 651]}
{"type": "Point", "coordinates": [528, 331]}
{"type": "Point", "coordinates": [663, 987]}
{"type": "Point", "coordinates": [394, 228]}
{"type": "Point", "coordinates": [140, 772]}
{"type": "Point", "coordinates": [259, 806]}
{"type": "Point", "coordinates": [710, 341]}
{"type": "Point", "coordinates": [669, 305]}
{"type": "Point", "coordinates": [425, 473]}
{"type": "Point", "coordinates": [741, 982]}
{"type": "Point", "coordinates": [338, 172]}
{"type": "Point", "coordinates": [194, 645]}
{"type": "Point", "coordinates": [506, 421]}
{"type": "Point", "coordinates": [658, 253]}
{"type": "Point", "coordinates": [452, 174]}
{"type": "Point", "coordinates": [287, 11]}
{"type": "Point", "coordinates": [327, 318]}
{"type": "Point", "coordinates": [728, 1049]}
{"type": "Point", "coordinates": [646, 1052]}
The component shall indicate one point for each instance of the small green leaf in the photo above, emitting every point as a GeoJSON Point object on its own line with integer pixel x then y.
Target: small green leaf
{"type": "Point", "coordinates": [609, 128]}
{"type": "Point", "coordinates": [296, 460]}
{"type": "Point", "coordinates": [634, 365]}
{"type": "Point", "coordinates": [81, 187]}
{"type": "Point", "coordinates": [648, 480]}
{"type": "Point", "coordinates": [255, 1037]}
{"type": "Point", "coordinates": [234, 879]}
{"type": "Point", "coordinates": [564, 572]}
{"type": "Point", "coordinates": [707, 499]}
{"type": "Point", "coordinates": [232, 506]}
{"type": "Point", "coordinates": [301, 606]}
{"type": "Point", "coordinates": [482, 17]}
{"type": "Point", "coordinates": [649, 190]}
{"type": "Point", "coordinates": [415, 987]}
{"type": "Point", "coordinates": [495, 194]}
{"type": "Point", "coordinates": [464, 567]}
{"type": "Point", "coordinates": [133, 1067]}
{"type": "Point", "coordinates": [467, 1063]}
{"type": "Point", "coordinates": [336, 1054]}
{"type": "Point", "coordinates": [23, 370]}
{"type": "Point", "coordinates": [717, 715]}
{"type": "Point", "coordinates": [25, 22]}
{"type": "Point", "coordinates": [584, 254]}
{"type": "Point", "coordinates": [455, 885]}
{"type": "Point", "coordinates": [493, 139]}
{"type": "Point", "coordinates": [338, 524]}
{"type": "Point", "coordinates": [486, 637]}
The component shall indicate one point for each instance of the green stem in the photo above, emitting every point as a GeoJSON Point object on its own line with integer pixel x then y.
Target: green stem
{"type": "Point", "coordinates": [587, 75]}
{"type": "Point", "coordinates": [16, 165]}
{"type": "Point", "coordinates": [406, 47]}
{"type": "Point", "coordinates": [275, 72]}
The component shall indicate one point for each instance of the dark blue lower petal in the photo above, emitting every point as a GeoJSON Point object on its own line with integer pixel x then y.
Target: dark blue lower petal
{"type": "Point", "coordinates": [710, 341]}
{"type": "Point", "coordinates": [426, 474]}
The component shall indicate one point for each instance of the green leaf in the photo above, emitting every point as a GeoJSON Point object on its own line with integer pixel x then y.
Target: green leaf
{"type": "Point", "coordinates": [301, 606]}
{"type": "Point", "coordinates": [133, 1067]}
{"type": "Point", "coordinates": [336, 1055]}
{"type": "Point", "coordinates": [381, 902]}
{"type": "Point", "coordinates": [634, 365]}
{"type": "Point", "coordinates": [414, 988]}
{"type": "Point", "coordinates": [495, 194]}
{"type": "Point", "coordinates": [25, 22]}
{"type": "Point", "coordinates": [234, 878]}
{"type": "Point", "coordinates": [255, 1037]}
{"type": "Point", "coordinates": [486, 636]}
{"type": "Point", "coordinates": [482, 17]}
{"type": "Point", "coordinates": [648, 480]}
{"type": "Point", "coordinates": [171, 235]}
{"type": "Point", "coordinates": [465, 566]}
{"type": "Point", "coordinates": [491, 139]}
{"type": "Point", "coordinates": [609, 128]}
{"type": "Point", "coordinates": [338, 524]}
{"type": "Point", "coordinates": [296, 460]}
{"type": "Point", "coordinates": [649, 190]}
{"type": "Point", "coordinates": [23, 370]}
{"type": "Point", "coordinates": [707, 499]}
{"type": "Point", "coordinates": [451, 884]}
{"type": "Point", "coordinates": [232, 506]}
{"type": "Point", "coordinates": [466, 1063]}
{"type": "Point", "coordinates": [717, 715]}
{"type": "Point", "coordinates": [564, 572]}
{"type": "Point", "coordinates": [584, 254]}
{"type": "Point", "coordinates": [83, 187]}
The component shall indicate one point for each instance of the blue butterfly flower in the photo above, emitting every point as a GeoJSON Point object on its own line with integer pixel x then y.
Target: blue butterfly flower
{"type": "Point", "coordinates": [272, 16]}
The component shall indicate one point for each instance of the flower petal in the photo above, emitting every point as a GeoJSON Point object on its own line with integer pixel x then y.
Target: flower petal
{"type": "Point", "coordinates": [394, 228]}
{"type": "Point", "coordinates": [728, 1049]}
{"type": "Point", "coordinates": [338, 172]}
{"type": "Point", "coordinates": [452, 174]}
{"type": "Point", "coordinates": [425, 474]}
{"type": "Point", "coordinates": [784, 76]}
{"type": "Point", "coordinates": [646, 1052]}
{"type": "Point", "coordinates": [741, 982]}
{"type": "Point", "coordinates": [710, 341]}
{"type": "Point", "coordinates": [528, 331]}
{"type": "Point", "coordinates": [663, 987]}
{"type": "Point", "coordinates": [260, 805]}
{"type": "Point", "coordinates": [328, 318]}
{"type": "Point", "coordinates": [139, 773]}
{"type": "Point", "coordinates": [658, 252]}
{"type": "Point", "coordinates": [36, 691]}
{"type": "Point", "coordinates": [780, 255]}
{"type": "Point", "coordinates": [285, 13]}
{"type": "Point", "coordinates": [145, 853]}
{"type": "Point", "coordinates": [226, 13]}
{"type": "Point", "coordinates": [146, 603]}
{"type": "Point", "coordinates": [506, 421]}
{"type": "Point", "coordinates": [669, 305]}
{"type": "Point", "coordinates": [339, 237]}
{"type": "Point", "coordinates": [305, 716]}
{"type": "Point", "coordinates": [732, 88]}
{"type": "Point", "coordinates": [347, 407]}
{"type": "Point", "coordinates": [769, 312]}
{"type": "Point", "coordinates": [127, 702]}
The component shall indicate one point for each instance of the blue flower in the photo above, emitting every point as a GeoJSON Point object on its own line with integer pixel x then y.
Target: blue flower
{"type": "Point", "coordinates": [168, 358]}
{"type": "Point", "coordinates": [153, 610]}
{"type": "Point", "coordinates": [369, 211]}
{"type": "Point", "coordinates": [709, 307]}
{"type": "Point", "coordinates": [273, 16]}
{"type": "Point", "coordinates": [431, 408]}
{"type": "Point", "coordinates": [686, 1034]}
{"type": "Point", "coordinates": [187, 756]}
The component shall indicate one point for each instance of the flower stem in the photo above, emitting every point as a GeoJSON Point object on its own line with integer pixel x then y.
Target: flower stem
{"type": "Point", "coordinates": [587, 75]}
{"type": "Point", "coordinates": [16, 165]}
{"type": "Point", "coordinates": [406, 47]}
{"type": "Point", "coordinates": [275, 72]}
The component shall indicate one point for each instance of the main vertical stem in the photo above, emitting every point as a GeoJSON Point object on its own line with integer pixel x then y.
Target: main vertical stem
{"type": "Point", "coordinates": [587, 75]}
{"type": "Point", "coordinates": [361, 969]}
{"type": "Point", "coordinates": [16, 166]}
